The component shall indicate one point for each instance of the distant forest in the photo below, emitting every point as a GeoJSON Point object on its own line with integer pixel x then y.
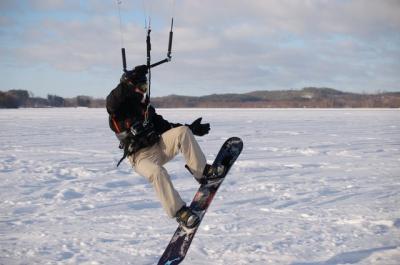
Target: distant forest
{"type": "Point", "coordinates": [309, 97]}
{"type": "Point", "coordinates": [25, 99]}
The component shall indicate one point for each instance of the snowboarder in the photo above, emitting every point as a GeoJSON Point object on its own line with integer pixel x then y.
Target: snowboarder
{"type": "Point", "coordinates": [149, 141]}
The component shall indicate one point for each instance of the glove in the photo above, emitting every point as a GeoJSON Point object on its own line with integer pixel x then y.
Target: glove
{"type": "Point", "coordinates": [199, 129]}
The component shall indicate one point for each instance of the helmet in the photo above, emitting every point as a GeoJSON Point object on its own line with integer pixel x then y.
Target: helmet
{"type": "Point", "coordinates": [135, 76]}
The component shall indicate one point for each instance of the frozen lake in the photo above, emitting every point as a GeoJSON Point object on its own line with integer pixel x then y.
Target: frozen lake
{"type": "Point", "coordinates": [312, 187]}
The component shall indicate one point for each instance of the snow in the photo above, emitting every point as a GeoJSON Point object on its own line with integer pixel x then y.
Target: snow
{"type": "Point", "coordinates": [311, 187]}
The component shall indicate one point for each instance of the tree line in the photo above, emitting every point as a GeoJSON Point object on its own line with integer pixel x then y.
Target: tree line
{"type": "Point", "coordinates": [309, 97]}
{"type": "Point", "coordinates": [23, 98]}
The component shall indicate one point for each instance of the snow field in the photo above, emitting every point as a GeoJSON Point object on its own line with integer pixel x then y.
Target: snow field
{"type": "Point", "coordinates": [311, 187]}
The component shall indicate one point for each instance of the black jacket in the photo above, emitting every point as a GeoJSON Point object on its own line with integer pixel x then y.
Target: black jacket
{"type": "Point", "coordinates": [125, 106]}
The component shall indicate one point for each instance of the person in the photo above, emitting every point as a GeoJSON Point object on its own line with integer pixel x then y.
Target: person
{"type": "Point", "coordinates": [149, 141]}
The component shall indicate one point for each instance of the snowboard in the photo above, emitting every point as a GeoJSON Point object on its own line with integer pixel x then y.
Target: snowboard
{"type": "Point", "coordinates": [181, 240]}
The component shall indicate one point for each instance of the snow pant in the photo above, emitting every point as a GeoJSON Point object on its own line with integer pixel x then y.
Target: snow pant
{"type": "Point", "coordinates": [149, 162]}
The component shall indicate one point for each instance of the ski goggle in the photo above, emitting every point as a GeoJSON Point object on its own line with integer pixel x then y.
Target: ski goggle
{"type": "Point", "coordinates": [143, 87]}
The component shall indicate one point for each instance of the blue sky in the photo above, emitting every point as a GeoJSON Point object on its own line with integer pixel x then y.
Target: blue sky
{"type": "Point", "coordinates": [72, 47]}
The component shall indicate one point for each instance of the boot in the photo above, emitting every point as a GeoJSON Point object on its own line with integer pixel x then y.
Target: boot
{"type": "Point", "coordinates": [211, 172]}
{"type": "Point", "coordinates": [186, 217]}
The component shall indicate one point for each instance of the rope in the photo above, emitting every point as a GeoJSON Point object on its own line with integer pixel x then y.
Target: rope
{"type": "Point", "coordinates": [119, 2]}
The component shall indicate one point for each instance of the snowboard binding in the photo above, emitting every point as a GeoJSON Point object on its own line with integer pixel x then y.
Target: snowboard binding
{"type": "Point", "coordinates": [187, 218]}
{"type": "Point", "coordinates": [211, 173]}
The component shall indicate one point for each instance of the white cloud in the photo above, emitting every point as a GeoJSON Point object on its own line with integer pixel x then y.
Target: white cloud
{"type": "Point", "coordinates": [235, 44]}
{"type": "Point", "coordinates": [54, 5]}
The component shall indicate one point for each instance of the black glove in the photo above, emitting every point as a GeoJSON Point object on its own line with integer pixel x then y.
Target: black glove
{"type": "Point", "coordinates": [199, 129]}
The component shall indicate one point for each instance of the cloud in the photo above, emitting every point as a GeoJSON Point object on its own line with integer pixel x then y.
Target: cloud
{"type": "Point", "coordinates": [54, 5]}
{"type": "Point", "coordinates": [7, 5]}
{"type": "Point", "coordinates": [297, 42]}
{"type": "Point", "coordinates": [71, 45]}
{"type": "Point", "coordinates": [234, 45]}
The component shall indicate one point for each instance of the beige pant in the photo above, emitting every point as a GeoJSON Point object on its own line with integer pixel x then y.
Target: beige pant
{"type": "Point", "coordinates": [149, 162]}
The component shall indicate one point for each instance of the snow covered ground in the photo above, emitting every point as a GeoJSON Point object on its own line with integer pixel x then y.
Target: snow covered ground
{"type": "Point", "coordinates": [312, 187]}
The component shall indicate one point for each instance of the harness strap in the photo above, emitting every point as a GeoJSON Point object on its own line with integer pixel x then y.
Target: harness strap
{"type": "Point", "coordinates": [115, 123]}
{"type": "Point", "coordinates": [146, 115]}
{"type": "Point", "coordinates": [124, 156]}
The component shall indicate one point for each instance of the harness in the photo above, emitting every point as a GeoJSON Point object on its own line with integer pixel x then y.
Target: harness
{"type": "Point", "coordinates": [134, 136]}
{"type": "Point", "coordinates": [139, 135]}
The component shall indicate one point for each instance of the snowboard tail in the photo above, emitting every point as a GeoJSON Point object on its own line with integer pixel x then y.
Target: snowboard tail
{"type": "Point", "coordinates": [182, 238]}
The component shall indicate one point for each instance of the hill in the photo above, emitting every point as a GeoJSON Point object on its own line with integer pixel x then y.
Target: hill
{"type": "Point", "coordinates": [309, 97]}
